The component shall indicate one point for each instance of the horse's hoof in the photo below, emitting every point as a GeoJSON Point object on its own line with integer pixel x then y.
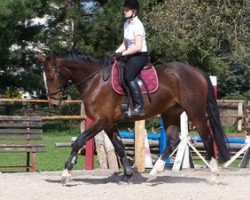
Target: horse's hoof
{"type": "Point", "coordinates": [215, 179]}
{"type": "Point", "coordinates": [214, 167]}
{"type": "Point", "coordinates": [215, 172]}
{"type": "Point", "coordinates": [66, 176]}
{"type": "Point", "coordinates": [123, 182]}
{"type": "Point", "coordinates": [151, 178]}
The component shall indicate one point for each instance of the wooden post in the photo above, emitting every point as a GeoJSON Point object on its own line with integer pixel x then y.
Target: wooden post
{"type": "Point", "coordinates": [110, 153]}
{"type": "Point", "coordinates": [105, 152]}
{"type": "Point", "coordinates": [82, 125]}
{"type": "Point", "coordinates": [140, 146]}
{"type": "Point", "coordinates": [240, 113]}
{"type": "Point", "coordinates": [100, 150]}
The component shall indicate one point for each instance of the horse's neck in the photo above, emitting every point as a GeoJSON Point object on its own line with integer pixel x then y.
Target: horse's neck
{"type": "Point", "coordinates": [86, 77]}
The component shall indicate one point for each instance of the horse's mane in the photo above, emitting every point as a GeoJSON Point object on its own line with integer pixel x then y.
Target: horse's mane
{"type": "Point", "coordinates": [76, 56]}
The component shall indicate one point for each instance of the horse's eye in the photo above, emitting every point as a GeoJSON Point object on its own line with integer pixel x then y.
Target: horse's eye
{"type": "Point", "coordinates": [50, 79]}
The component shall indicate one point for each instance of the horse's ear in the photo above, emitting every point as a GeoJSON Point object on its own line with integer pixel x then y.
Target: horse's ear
{"type": "Point", "coordinates": [40, 57]}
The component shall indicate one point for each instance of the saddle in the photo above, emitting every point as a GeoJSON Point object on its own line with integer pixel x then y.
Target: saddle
{"type": "Point", "coordinates": [147, 80]}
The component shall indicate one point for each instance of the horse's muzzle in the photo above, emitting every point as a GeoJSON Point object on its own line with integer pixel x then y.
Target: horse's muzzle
{"type": "Point", "coordinates": [56, 102]}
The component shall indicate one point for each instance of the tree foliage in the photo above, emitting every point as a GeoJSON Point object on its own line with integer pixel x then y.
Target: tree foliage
{"type": "Point", "coordinates": [16, 33]}
{"type": "Point", "coordinates": [211, 35]}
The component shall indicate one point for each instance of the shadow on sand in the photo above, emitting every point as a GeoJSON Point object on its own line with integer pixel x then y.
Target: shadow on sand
{"type": "Point", "coordinates": [136, 179]}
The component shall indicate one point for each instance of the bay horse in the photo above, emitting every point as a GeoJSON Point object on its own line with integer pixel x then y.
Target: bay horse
{"type": "Point", "coordinates": [181, 88]}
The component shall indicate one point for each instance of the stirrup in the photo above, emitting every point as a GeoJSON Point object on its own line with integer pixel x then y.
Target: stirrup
{"type": "Point", "coordinates": [135, 113]}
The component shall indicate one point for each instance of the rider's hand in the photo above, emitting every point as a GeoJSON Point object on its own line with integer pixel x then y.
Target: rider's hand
{"type": "Point", "coordinates": [120, 57]}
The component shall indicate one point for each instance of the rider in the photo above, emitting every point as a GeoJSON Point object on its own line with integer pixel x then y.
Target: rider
{"type": "Point", "coordinates": [133, 50]}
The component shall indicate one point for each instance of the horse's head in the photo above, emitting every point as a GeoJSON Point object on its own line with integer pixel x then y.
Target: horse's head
{"type": "Point", "coordinates": [54, 80]}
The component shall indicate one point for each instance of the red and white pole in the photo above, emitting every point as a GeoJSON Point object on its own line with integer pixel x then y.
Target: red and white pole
{"type": "Point", "coordinates": [89, 153]}
{"type": "Point", "coordinates": [214, 83]}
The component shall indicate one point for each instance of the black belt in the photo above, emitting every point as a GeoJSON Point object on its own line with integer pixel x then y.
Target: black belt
{"type": "Point", "coordinates": [138, 54]}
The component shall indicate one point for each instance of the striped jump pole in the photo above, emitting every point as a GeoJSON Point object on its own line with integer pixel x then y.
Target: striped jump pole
{"type": "Point", "coordinates": [214, 83]}
{"type": "Point", "coordinates": [183, 157]}
{"type": "Point", "coordinates": [246, 159]}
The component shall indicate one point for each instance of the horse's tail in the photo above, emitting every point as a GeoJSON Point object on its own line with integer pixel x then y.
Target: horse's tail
{"type": "Point", "coordinates": [215, 123]}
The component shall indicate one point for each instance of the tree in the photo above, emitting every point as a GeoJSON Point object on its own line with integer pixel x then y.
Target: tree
{"type": "Point", "coordinates": [211, 35]}
{"type": "Point", "coordinates": [237, 80]}
{"type": "Point", "coordinates": [16, 31]}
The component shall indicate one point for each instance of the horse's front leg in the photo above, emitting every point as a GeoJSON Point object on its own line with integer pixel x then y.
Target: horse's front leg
{"type": "Point", "coordinates": [89, 133]}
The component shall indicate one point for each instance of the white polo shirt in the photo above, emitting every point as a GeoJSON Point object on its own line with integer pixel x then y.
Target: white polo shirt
{"type": "Point", "coordinates": [132, 29]}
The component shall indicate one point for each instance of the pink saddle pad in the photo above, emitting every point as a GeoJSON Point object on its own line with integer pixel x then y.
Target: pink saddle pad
{"type": "Point", "coordinates": [148, 74]}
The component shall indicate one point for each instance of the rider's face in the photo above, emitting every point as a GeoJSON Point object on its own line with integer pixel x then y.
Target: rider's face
{"type": "Point", "coordinates": [128, 12]}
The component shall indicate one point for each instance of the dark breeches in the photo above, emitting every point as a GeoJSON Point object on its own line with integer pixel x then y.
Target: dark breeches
{"type": "Point", "coordinates": [135, 63]}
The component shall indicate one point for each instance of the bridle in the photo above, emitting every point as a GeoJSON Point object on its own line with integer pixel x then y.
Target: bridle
{"type": "Point", "coordinates": [63, 88]}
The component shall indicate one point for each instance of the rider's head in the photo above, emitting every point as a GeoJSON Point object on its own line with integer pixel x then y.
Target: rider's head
{"type": "Point", "coordinates": [131, 8]}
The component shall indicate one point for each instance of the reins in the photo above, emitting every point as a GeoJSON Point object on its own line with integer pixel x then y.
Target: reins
{"type": "Point", "coordinates": [88, 77]}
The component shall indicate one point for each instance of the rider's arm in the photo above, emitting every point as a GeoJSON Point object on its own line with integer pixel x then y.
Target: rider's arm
{"type": "Point", "coordinates": [122, 48]}
{"type": "Point", "coordinates": [136, 48]}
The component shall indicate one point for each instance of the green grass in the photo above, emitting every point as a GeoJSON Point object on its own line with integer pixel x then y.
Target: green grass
{"type": "Point", "coordinates": [229, 131]}
{"type": "Point", "coordinates": [235, 164]}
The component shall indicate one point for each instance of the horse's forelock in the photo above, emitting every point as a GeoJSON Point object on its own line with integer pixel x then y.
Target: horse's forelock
{"type": "Point", "coordinates": [48, 58]}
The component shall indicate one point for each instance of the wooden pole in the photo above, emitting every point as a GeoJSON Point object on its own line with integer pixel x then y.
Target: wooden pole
{"type": "Point", "coordinates": [110, 153]}
{"type": "Point", "coordinates": [64, 117]}
{"type": "Point", "coordinates": [140, 146]}
{"type": "Point", "coordinates": [82, 113]}
{"type": "Point", "coordinates": [100, 150]}
{"type": "Point", "coordinates": [35, 100]}
{"type": "Point", "coordinates": [240, 113]}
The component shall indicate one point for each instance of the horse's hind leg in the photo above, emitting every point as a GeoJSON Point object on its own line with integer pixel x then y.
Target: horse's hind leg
{"type": "Point", "coordinates": [171, 126]}
{"type": "Point", "coordinates": [120, 150]}
{"type": "Point", "coordinates": [198, 117]}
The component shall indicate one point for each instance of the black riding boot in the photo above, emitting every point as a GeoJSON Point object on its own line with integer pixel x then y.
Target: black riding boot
{"type": "Point", "coordinates": [137, 99]}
